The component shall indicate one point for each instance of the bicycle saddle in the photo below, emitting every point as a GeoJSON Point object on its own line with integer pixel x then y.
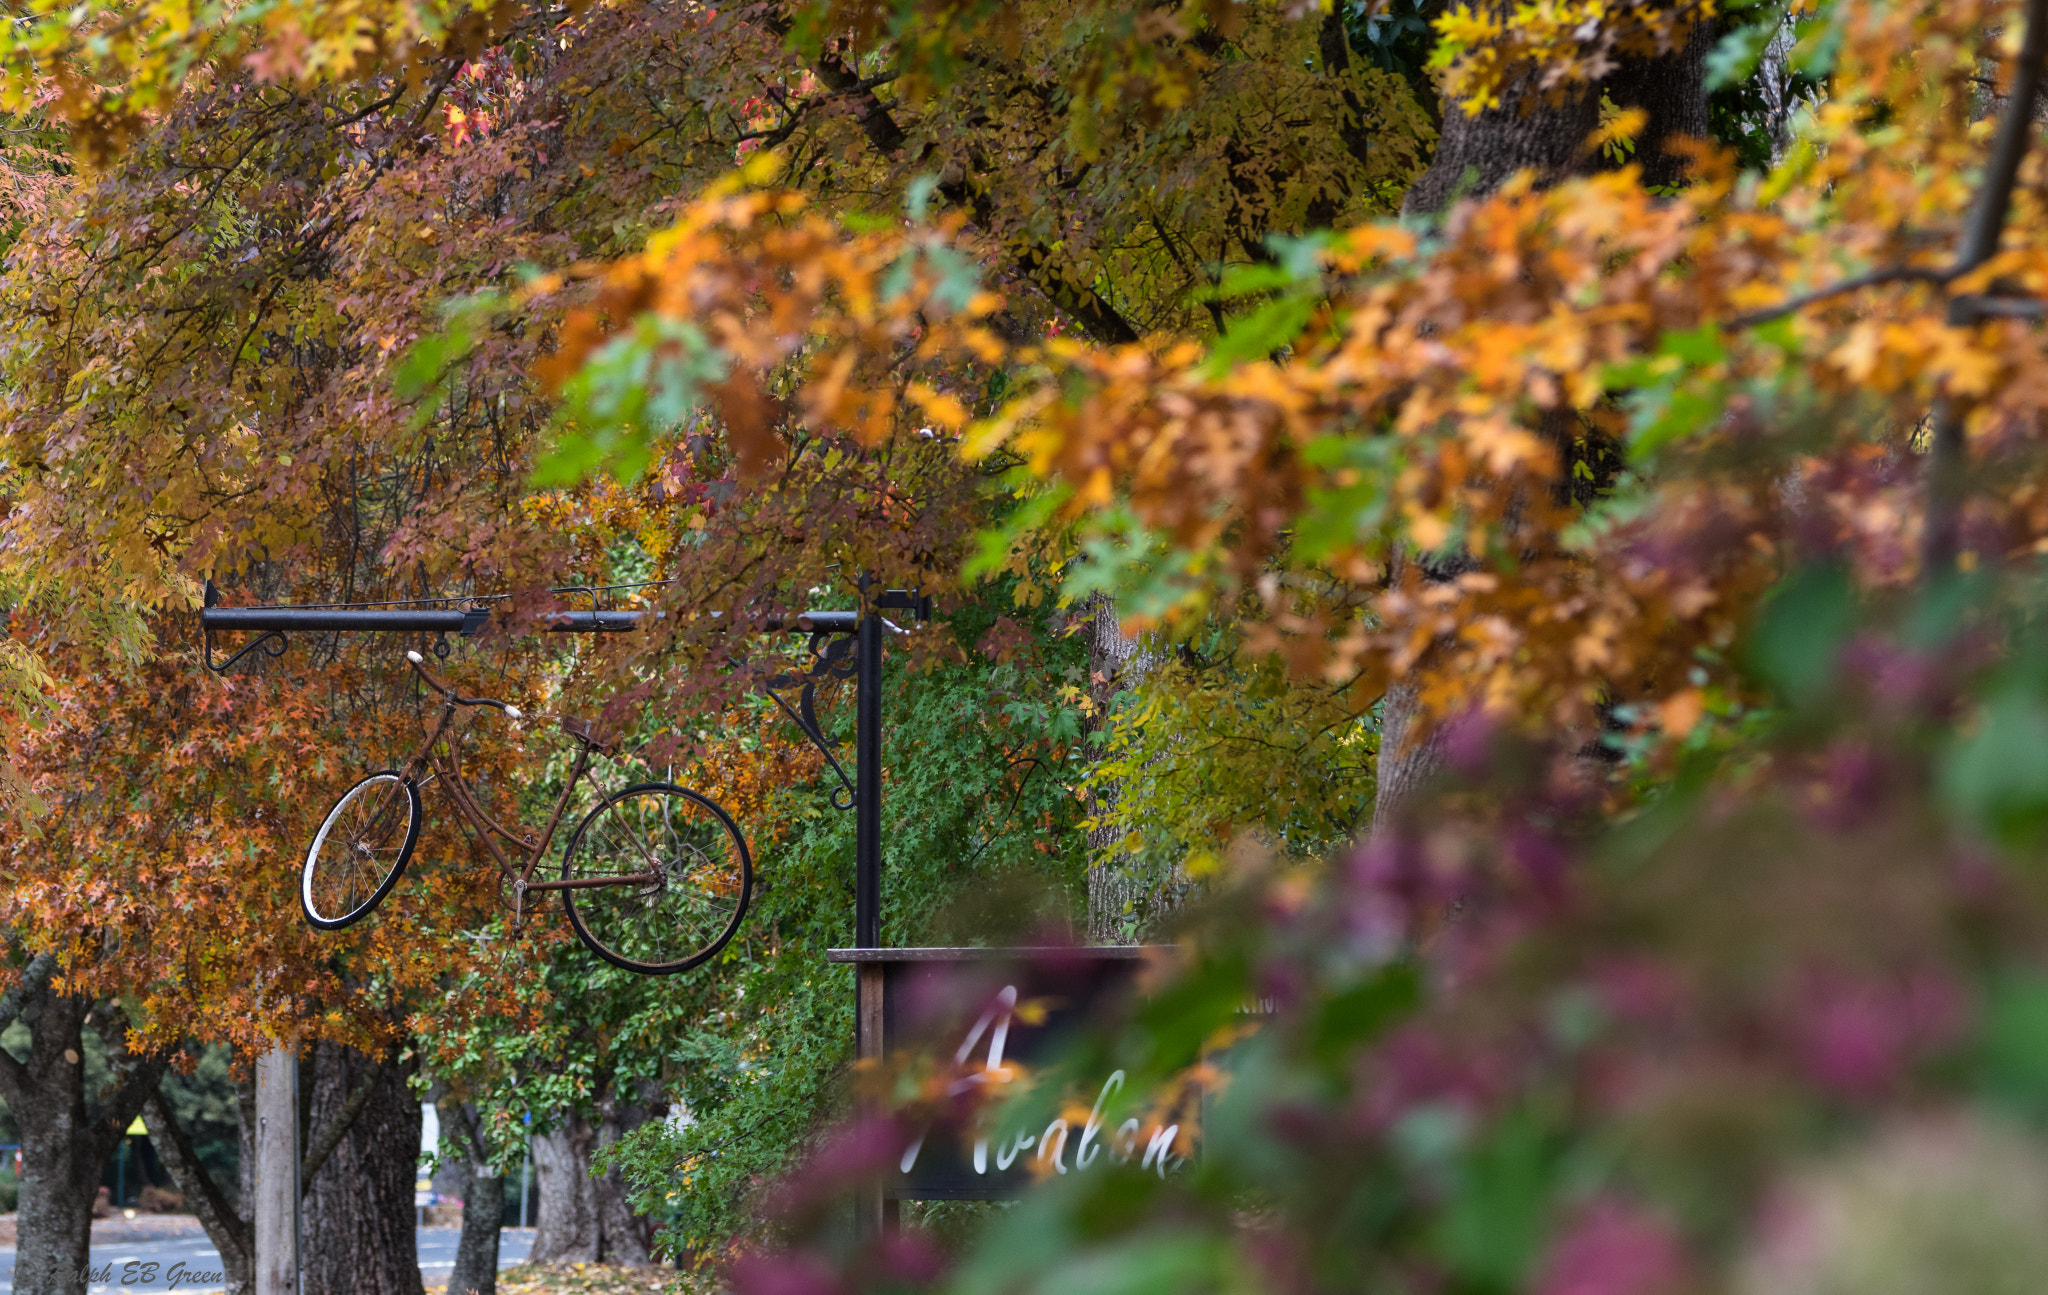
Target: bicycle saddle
{"type": "Point", "coordinates": [585, 731]}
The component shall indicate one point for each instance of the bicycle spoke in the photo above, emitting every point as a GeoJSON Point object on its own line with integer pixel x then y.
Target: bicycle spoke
{"type": "Point", "coordinates": [696, 893]}
{"type": "Point", "coordinates": [358, 851]}
{"type": "Point", "coordinates": [646, 848]}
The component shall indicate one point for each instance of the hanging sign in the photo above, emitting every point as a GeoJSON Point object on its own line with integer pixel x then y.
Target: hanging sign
{"type": "Point", "coordinates": [993, 1013]}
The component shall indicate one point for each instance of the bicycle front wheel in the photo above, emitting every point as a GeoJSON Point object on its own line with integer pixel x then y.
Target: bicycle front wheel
{"type": "Point", "coordinates": [660, 879]}
{"type": "Point", "coordinates": [361, 848]}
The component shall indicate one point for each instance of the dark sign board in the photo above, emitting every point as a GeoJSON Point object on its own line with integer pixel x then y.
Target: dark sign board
{"type": "Point", "coordinates": [994, 1009]}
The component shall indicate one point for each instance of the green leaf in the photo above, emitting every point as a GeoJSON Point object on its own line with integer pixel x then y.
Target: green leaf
{"type": "Point", "coordinates": [642, 383]}
{"type": "Point", "coordinates": [1339, 516]}
{"type": "Point", "coordinates": [1699, 346]}
{"type": "Point", "coordinates": [992, 546]}
{"type": "Point", "coordinates": [1271, 327]}
{"type": "Point", "coordinates": [1364, 1011]}
{"type": "Point", "coordinates": [1799, 635]}
{"type": "Point", "coordinates": [1664, 415]}
{"type": "Point", "coordinates": [1780, 334]}
{"type": "Point", "coordinates": [1642, 371]}
{"type": "Point", "coordinates": [917, 198]}
{"type": "Point", "coordinates": [1821, 46]}
{"type": "Point", "coordinates": [1735, 56]}
{"type": "Point", "coordinates": [1244, 280]}
{"type": "Point", "coordinates": [1997, 777]}
{"type": "Point", "coordinates": [419, 371]}
{"type": "Point", "coordinates": [2012, 1049]}
{"type": "Point", "coordinates": [1300, 256]}
{"type": "Point", "coordinates": [1495, 1219]}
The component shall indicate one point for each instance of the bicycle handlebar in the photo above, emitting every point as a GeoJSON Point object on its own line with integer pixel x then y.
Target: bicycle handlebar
{"type": "Point", "coordinates": [419, 665]}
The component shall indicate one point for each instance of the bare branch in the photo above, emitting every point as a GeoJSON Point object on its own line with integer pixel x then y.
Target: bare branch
{"type": "Point", "coordinates": [1948, 458]}
{"type": "Point", "coordinates": [2001, 307]}
{"type": "Point", "coordinates": [225, 1227]}
{"type": "Point", "coordinates": [1876, 278]}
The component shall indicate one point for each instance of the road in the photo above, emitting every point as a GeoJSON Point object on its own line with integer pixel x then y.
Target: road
{"type": "Point", "coordinates": [191, 1263]}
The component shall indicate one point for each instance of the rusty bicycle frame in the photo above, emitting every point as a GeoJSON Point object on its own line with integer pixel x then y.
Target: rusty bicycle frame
{"type": "Point", "coordinates": [447, 770]}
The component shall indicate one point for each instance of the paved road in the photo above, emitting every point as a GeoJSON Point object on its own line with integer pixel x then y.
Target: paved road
{"type": "Point", "coordinates": [192, 1264]}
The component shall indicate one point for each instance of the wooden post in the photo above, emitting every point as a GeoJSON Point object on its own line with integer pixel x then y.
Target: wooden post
{"type": "Point", "coordinates": [873, 1213]}
{"type": "Point", "coordinates": [277, 1172]}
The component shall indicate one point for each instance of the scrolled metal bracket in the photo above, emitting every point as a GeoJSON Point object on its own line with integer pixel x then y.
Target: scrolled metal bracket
{"type": "Point", "coordinates": [834, 651]}
{"type": "Point", "coordinates": [273, 642]}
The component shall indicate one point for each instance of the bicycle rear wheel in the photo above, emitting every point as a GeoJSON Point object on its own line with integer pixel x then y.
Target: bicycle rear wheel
{"type": "Point", "coordinates": [694, 879]}
{"type": "Point", "coordinates": [361, 848]}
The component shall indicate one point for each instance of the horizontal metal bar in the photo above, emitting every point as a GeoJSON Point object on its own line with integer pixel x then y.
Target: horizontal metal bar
{"type": "Point", "coordinates": [467, 622]}
{"type": "Point", "coordinates": [429, 621]}
{"type": "Point", "coordinates": [450, 621]}
{"type": "Point", "coordinates": [594, 622]}
{"type": "Point", "coordinates": [592, 883]}
{"type": "Point", "coordinates": [1047, 953]}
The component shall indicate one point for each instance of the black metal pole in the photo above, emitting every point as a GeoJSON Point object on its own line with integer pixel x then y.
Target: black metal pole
{"type": "Point", "coordinates": [424, 620]}
{"type": "Point", "coordinates": [867, 792]}
{"type": "Point", "coordinates": [872, 1211]}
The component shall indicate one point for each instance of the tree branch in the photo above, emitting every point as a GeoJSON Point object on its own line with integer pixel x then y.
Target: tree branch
{"type": "Point", "coordinates": [323, 1147]}
{"type": "Point", "coordinates": [467, 1127]}
{"type": "Point", "coordinates": [1876, 278]}
{"type": "Point", "coordinates": [1949, 456]}
{"type": "Point", "coordinates": [137, 1076]}
{"type": "Point", "coordinates": [874, 117]}
{"type": "Point", "coordinates": [35, 978]}
{"type": "Point", "coordinates": [1981, 307]}
{"type": "Point", "coordinates": [225, 1227]}
{"type": "Point", "coordinates": [1097, 317]}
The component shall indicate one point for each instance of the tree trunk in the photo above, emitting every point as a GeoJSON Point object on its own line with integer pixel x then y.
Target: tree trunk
{"type": "Point", "coordinates": [357, 1215]}
{"type": "Point", "coordinates": [224, 1209]}
{"type": "Point", "coordinates": [586, 1219]}
{"type": "Point", "coordinates": [65, 1140]}
{"type": "Point", "coordinates": [568, 1205]}
{"type": "Point", "coordinates": [1117, 899]}
{"type": "Point", "coordinates": [476, 1255]}
{"type": "Point", "coordinates": [54, 1225]}
{"type": "Point", "coordinates": [482, 1192]}
{"type": "Point", "coordinates": [1474, 156]}
{"type": "Point", "coordinates": [245, 1159]}
{"type": "Point", "coordinates": [1673, 91]}
{"type": "Point", "coordinates": [627, 1239]}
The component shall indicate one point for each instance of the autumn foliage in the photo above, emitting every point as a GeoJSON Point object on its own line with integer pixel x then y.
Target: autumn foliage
{"type": "Point", "coordinates": [1691, 530]}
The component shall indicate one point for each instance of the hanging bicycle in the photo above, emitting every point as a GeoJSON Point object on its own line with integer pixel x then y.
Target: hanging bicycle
{"type": "Point", "coordinates": [656, 878]}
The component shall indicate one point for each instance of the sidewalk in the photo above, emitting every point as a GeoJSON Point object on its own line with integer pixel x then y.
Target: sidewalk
{"type": "Point", "coordinates": [117, 1230]}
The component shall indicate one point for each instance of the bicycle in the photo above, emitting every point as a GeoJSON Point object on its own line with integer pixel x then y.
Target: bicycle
{"type": "Point", "coordinates": [655, 878]}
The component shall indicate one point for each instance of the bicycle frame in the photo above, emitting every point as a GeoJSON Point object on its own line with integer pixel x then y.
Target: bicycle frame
{"type": "Point", "coordinates": [446, 769]}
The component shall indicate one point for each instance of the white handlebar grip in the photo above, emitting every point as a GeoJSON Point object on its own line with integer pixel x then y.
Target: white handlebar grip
{"type": "Point", "coordinates": [515, 713]}
{"type": "Point", "coordinates": [415, 658]}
